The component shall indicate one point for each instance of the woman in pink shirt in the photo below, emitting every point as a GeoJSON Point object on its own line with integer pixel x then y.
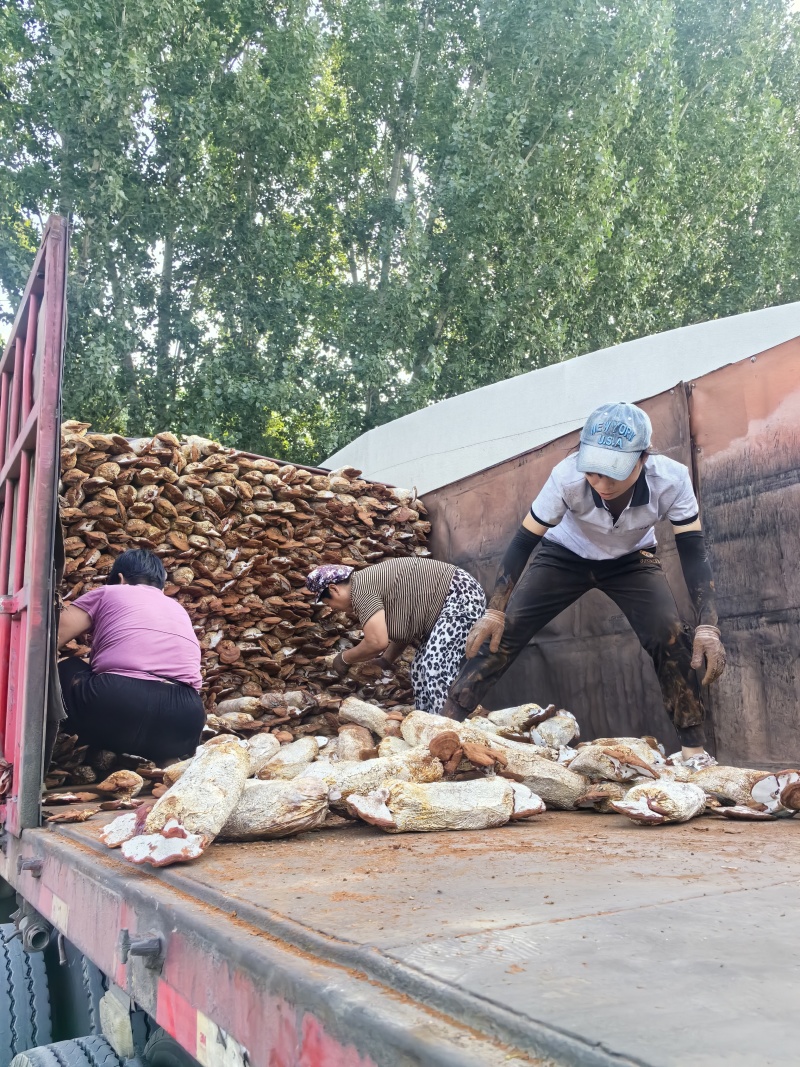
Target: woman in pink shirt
{"type": "Point", "coordinates": [140, 692]}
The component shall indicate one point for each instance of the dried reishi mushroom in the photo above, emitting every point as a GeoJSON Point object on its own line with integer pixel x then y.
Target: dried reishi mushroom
{"type": "Point", "coordinates": [790, 795]}
{"type": "Point", "coordinates": [445, 745]}
{"type": "Point", "coordinates": [481, 755]}
{"type": "Point", "coordinates": [126, 784]}
{"type": "Point", "coordinates": [73, 816]}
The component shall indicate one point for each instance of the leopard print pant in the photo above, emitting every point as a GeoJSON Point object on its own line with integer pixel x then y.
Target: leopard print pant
{"type": "Point", "coordinates": [438, 660]}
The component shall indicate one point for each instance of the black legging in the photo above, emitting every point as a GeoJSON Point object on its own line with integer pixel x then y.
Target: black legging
{"type": "Point", "coordinates": [152, 719]}
{"type": "Point", "coordinates": [636, 583]}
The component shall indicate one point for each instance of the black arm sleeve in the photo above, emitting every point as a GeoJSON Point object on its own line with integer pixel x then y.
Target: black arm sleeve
{"type": "Point", "coordinates": [517, 554]}
{"type": "Point", "coordinates": [697, 573]}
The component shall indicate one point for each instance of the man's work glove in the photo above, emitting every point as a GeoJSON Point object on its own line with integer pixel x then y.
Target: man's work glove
{"type": "Point", "coordinates": [489, 628]}
{"type": "Point", "coordinates": [384, 663]}
{"type": "Point", "coordinates": [708, 646]}
{"type": "Point", "coordinates": [335, 662]}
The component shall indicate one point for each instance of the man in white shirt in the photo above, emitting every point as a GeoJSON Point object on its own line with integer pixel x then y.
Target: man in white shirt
{"type": "Point", "coordinates": [593, 523]}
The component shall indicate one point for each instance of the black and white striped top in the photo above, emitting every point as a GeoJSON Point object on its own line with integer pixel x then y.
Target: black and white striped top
{"type": "Point", "coordinates": [411, 590]}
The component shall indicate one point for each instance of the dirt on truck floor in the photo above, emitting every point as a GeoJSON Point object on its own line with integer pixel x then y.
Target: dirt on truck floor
{"type": "Point", "coordinates": [651, 942]}
{"type": "Point", "coordinates": [496, 878]}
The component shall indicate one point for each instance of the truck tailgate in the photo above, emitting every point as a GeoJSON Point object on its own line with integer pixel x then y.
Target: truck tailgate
{"type": "Point", "coordinates": [577, 938]}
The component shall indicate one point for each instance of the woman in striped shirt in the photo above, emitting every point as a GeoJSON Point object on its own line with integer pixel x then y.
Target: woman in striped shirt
{"type": "Point", "coordinates": [410, 600]}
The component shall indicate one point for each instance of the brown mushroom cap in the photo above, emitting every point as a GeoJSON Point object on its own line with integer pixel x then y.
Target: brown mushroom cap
{"type": "Point", "coordinates": [128, 783]}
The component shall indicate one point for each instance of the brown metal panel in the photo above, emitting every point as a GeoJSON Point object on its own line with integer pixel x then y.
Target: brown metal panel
{"type": "Point", "coordinates": [587, 659]}
{"type": "Point", "coordinates": [746, 426]}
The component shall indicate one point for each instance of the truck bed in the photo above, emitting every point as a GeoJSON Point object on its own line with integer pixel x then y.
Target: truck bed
{"type": "Point", "coordinates": [573, 939]}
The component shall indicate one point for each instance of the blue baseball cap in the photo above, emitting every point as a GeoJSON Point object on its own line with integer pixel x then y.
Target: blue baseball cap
{"type": "Point", "coordinates": [612, 439]}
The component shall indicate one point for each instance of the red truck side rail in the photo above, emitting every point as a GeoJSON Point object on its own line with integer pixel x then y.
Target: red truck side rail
{"type": "Point", "coordinates": [30, 401]}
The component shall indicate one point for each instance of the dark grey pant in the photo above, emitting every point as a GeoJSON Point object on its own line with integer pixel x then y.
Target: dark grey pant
{"type": "Point", "coordinates": [636, 583]}
{"type": "Point", "coordinates": [152, 719]}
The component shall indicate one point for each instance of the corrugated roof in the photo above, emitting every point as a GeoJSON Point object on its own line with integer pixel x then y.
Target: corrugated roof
{"type": "Point", "coordinates": [457, 437]}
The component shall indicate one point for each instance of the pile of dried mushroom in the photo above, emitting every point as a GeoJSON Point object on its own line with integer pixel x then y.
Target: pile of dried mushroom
{"type": "Point", "coordinates": [237, 534]}
{"type": "Point", "coordinates": [411, 771]}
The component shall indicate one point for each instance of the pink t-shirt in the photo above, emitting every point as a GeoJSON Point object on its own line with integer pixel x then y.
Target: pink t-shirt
{"type": "Point", "coordinates": [139, 632]}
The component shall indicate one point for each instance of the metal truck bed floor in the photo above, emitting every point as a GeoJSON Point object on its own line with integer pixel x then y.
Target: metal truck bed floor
{"type": "Point", "coordinates": [577, 935]}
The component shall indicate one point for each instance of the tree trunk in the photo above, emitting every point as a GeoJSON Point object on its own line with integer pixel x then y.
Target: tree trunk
{"type": "Point", "coordinates": [126, 356]}
{"type": "Point", "coordinates": [64, 197]}
{"type": "Point", "coordinates": [165, 386]}
{"type": "Point", "coordinates": [370, 401]}
{"type": "Point", "coordinates": [351, 259]}
{"type": "Point", "coordinates": [401, 139]}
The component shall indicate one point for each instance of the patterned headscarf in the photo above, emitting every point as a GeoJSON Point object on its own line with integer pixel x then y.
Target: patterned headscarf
{"type": "Point", "coordinates": [328, 574]}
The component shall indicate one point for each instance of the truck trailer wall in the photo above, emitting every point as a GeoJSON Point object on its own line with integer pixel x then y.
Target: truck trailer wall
{"type": "Point", "coordinates": [745, 423]}
{"type": "Point", "coordinates": [737, 429]}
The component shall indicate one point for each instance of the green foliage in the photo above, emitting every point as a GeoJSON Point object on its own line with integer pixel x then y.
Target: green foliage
{"type": "Point", "coordinates": [292, 222]}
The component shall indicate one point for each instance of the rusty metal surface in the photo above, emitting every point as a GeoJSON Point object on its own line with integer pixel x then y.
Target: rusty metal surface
{"type": "Point", "coordinates": [746, 425]}
{"type": "Point", "coordinates": [457, 948]}
{"type": "Point", "coordinates": [241, 946]}
{"type": "Point", "coordinates": [588, 659]}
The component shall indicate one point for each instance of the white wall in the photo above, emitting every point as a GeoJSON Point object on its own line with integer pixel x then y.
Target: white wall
{"type": "Point", "coordinates": [457, 437]}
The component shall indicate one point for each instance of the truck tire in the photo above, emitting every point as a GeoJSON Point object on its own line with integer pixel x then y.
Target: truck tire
{"type": "Point", "coordinates": [81, 1052]}
{"type": "Point", "coordinates": [24, 997]}
{"type": "Point", "coordinates": [76, 988]}
{"type": "Point", "coordinates": [95, 988]}
{"type": "Point", "coordinates": [164, 1051]}
{"type": "Point", "coordinates": [8, 901]}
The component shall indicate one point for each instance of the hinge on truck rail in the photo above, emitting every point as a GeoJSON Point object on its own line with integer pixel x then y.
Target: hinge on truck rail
{"type": "Point", "coordinates": [11, 605]}
{"type": "Point", "coordinates": [35, 866]}
{"type": "Point", "coordinates": [150, 949]}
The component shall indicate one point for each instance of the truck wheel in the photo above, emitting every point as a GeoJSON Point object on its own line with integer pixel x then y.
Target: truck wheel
{"type": "Point", "coordinates": [95, 988]}
{"type": "Point", "coordinates": [164, 1051]}
{"type": "Point", "coordinates": [82, 1052]}
{"type": "Point", "coordinates": [76, 988]}
{"type": "Point", "coordinates": [24, 997]}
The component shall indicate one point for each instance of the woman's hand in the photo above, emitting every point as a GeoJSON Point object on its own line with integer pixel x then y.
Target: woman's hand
{"type": "Point", "coordinates": [374, 644]}
{"type": "Point", "coordinates": [335, 662]}
{"type": "Point", "coordinates": [340, 666]}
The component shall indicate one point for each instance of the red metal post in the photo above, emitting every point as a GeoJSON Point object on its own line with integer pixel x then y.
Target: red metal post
{"type": "Point", "coordinates": [16, 394]}
{"type": "Point", "coordinates": [4, 383]}
{"type": "Point", "coordinates": [29, 443]}
{"type": "Point", "coordinates": [19, 621]}
{"type": "Point", "coordinates": [27, 364]}
{"type": "Point", "coordinates": [5, 619]}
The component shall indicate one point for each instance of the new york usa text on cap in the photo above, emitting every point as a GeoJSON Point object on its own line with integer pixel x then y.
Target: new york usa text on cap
{"type": "Point", "coordinates": [612, 439]}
